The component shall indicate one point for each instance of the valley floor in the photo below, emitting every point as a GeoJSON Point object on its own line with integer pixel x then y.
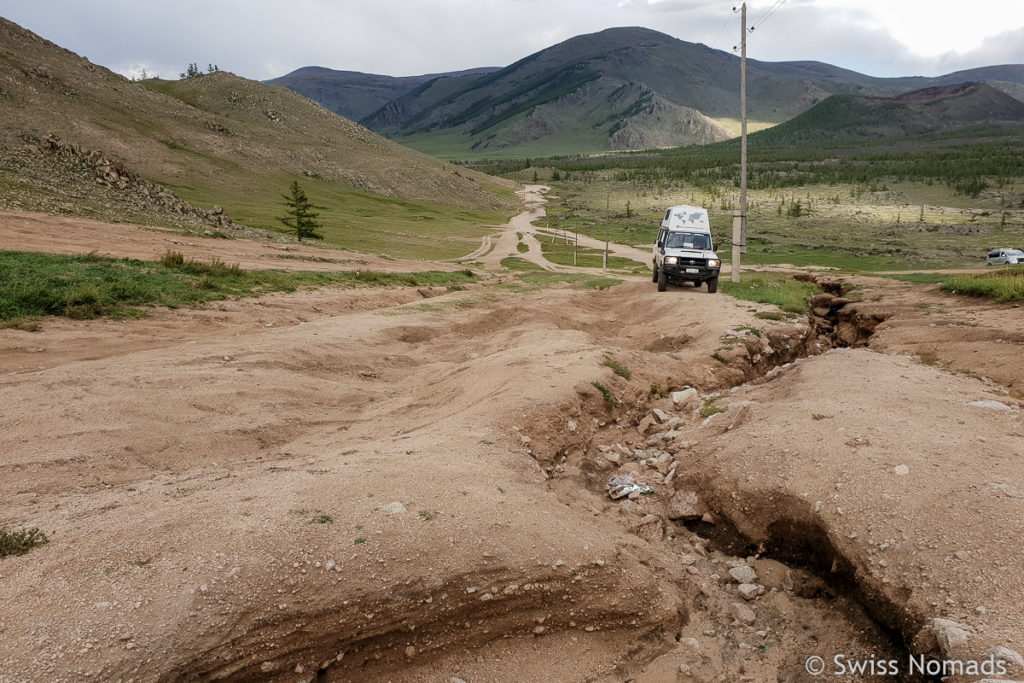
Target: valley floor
{"type": "Point", "coordinates": [361, 485]}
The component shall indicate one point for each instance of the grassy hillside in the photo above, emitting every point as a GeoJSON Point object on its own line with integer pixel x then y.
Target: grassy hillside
{"type": "Point", "coordinates": [623, 88]}
{"type": "Point", "coordinates": [224, 140]}
{"type": "Point", "coordinates": [944, 109]}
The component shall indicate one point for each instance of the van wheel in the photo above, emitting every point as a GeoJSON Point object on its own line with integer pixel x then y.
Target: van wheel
{"type": "Point", "coordinates": [712, 285]}
{"type": "Point", "coordinates": [662, 281]}
{"type": "Point", "coordinates": [654, 275]}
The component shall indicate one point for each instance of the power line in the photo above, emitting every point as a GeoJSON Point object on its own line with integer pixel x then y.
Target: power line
{"type": "Point", "coordinates": [768, 14]}
{"type": "Point", "coordinates": [724, 23]}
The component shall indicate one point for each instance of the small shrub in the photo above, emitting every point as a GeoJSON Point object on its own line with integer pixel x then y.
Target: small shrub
{"type": "Point", "coordinates": [609, 398]}
{"type": "Point", "coordinates": [322, 519]}
{"type": "Point", "coordinates": [658, 390]}
{"type": "Point", "coordinates": [359, 540]}
{"type": "Point", "coordinates": [173, 259]}
{"type": "Point", "coordinates": [710, 408]}
{"type": "Point", "coordinates": [427, 515]}
{"type": "Point", "coordinates": [617, 367]}
{"type": "Point", "coordinates": [21, 541]}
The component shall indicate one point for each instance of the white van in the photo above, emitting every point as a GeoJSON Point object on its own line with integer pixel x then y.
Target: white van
{"type": "Point", "coordinates": [684, 251]}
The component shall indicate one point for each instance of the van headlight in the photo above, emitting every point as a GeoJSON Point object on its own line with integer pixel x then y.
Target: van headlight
{"type": "Point", "coordinates": [671, 259]}
{"type": "Point", "coordinates": [714, 263]}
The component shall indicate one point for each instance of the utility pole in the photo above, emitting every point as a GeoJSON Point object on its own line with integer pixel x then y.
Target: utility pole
{"type": "Point", "coordinates": [739, 223]}
{"type": "Point", "coordinates": [607, 227]}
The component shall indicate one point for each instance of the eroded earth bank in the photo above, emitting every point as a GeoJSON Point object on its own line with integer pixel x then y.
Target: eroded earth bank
{"type": "Point", "coordinates": [351, 486]}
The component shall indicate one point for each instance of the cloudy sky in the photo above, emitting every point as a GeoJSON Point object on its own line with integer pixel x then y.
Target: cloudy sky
{"type": "Point", "coordinates": [261, 39]}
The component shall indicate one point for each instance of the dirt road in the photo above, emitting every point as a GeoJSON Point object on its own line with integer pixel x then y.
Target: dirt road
{"type": "Point", "coordinates": [359, 486]}
{"type": "Point", "coordinates": [506, 243]}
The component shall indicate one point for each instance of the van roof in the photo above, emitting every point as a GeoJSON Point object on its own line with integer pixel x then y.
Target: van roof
{"type": "Point", "coordinates": [685, 217]}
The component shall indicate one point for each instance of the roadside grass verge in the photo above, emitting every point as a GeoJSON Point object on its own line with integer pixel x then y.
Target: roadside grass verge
{"type": "Point", "coordinates": [1005, 284]}
{"type": "Point", "coordinates": [86, 286]}
{"type": "Point", "coordinates": [771, 288]}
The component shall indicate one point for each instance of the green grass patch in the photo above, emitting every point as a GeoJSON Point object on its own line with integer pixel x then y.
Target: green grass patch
{"type": "Point", "coordinates": [532, 277]}
{"type": "Point", "coordinates": [561, 253]}
{"type": "Point", "coordinates": [1005, 284]}
{"type": "Point", "coordinates": [709, 408]}
{"type": "Point", "coordinates": [617, 367]}
{"type": "Point", "coordinates": [520, 265]}
{"type": "Point", "coordinates": [773, 315]}
{"type": "Point", "coordinates": [606, 393]}
{"type": "Point", "coordinates": [358, 221]}
{"type": "Point", "coordinates": [88, 286]}
{"type": "Point", "coordinates": [20, 541]}
{"type": "Point", "coordinates": [771, 288]}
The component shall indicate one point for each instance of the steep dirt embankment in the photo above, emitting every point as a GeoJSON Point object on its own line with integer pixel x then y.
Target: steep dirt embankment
{"type": "Point", "coordinates": [419, 493]}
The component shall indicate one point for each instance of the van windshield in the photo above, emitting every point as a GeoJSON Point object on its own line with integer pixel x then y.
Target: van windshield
{"type": "Point", "coordinates": [688, 240]}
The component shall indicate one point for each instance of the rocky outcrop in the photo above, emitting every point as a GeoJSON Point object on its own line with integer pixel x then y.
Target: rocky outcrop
{"type": "Point", "coordinates": [114, 174]}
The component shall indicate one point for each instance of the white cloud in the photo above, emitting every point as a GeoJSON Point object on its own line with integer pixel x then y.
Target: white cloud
{"type": "Point", "coordinates": [260, 39]}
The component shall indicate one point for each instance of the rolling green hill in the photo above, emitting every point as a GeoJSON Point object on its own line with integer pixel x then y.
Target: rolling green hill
{"type": "Point", "coordinates": [219, 139]}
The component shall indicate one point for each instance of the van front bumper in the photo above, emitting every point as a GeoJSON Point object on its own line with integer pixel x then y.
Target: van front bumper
{"type": "Point", "coordinates": [691, 271]}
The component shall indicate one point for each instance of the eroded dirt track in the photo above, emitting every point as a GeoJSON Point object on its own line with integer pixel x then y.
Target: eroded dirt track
{"type": "Point", "coordinates": [379, 488]}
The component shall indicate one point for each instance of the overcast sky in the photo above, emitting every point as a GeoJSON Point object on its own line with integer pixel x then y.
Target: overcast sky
{"type": "Point", "coordinates": [262, 39]}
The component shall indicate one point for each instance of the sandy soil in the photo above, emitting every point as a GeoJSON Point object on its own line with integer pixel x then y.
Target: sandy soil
{"type": "Point", "coordinates": [359, 485]}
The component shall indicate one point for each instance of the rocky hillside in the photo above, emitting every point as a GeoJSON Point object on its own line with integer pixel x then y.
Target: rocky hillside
{"type": "Point", "coordinates": [353, 94]}
{"type": "Point", "coordinates": [212, 139]}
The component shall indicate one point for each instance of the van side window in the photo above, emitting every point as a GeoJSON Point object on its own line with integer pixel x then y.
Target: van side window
{"type": "Point", "coordinates": [668, 213]}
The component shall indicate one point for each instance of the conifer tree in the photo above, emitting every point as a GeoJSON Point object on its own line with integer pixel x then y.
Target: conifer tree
{"type": "Point", "coordinates": [299, 214]}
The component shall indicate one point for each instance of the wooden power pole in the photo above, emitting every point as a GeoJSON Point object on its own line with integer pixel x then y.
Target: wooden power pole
{"type": "Point", "coordinates": [607, 227]}
{"type": "Point", "coordinates": [739, 222]}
